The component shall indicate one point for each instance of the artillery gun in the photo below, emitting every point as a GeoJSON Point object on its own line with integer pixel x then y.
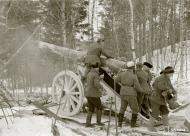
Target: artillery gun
{"type": "Point", "coordinates": [70, 83]}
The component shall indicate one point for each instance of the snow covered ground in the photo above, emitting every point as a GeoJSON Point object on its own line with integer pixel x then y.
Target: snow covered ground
{"type": "Point", "coordinates": [31, 125]}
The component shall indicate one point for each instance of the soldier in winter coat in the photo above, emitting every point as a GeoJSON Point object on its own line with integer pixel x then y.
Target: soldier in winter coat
{"type": "Point", "coordinates": [173, 104]}
{"type": "Point", "coordinates": [128, 92]}
{"type": "Point", "coordinates": [161, 92]}
{"type": "Point", "coordinates": [93, 56]}
{"type": "Point", "coordinates": [93, 93]}
{"type": "Point", "coordinates": [145, 77]}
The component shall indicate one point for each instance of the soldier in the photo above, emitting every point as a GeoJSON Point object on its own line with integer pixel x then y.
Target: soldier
{"type": "Point", "coordinates": [161, 92]}
{"type": "Point", "coordinates": [144, 77]}
{"type": "Point", "coordinates": [173, 104]}
{"type": "Point", "coordinates": [94, 53]}
{"type": "Point", "coordinates": [93, 94]}
{"type": "Point", "coordinates": [128, 92]}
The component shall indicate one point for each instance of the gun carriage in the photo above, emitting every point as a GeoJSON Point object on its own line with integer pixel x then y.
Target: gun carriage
{"type": "Point", "coordinates": [70, 83]}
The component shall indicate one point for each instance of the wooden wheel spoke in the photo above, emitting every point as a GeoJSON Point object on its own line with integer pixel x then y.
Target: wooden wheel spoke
{"type": "Point", "coordinates": [74, 98]}
{"type": "Point", "coordinates": [75, 93]}
{"type": "Point", "coordinates": [73, 87]}
{"type": "Point", "coordinates": [64, 103]}
{"type": "Point", "coordinates": [68, 104]}
{"type": "Point", "coordinates": [71, 81]}
{"type": "Point", "coordinates": [66, 82]}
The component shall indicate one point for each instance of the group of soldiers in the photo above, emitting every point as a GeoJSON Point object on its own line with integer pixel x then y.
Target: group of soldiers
{"type": "Point", "coordinates": [137, 90]}
{"type": "Point", "coordinates": [139, 94]}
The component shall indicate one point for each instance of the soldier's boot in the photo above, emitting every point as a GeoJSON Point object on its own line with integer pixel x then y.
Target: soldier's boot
{"type": "Point", "coordinates": [134, 120]}
{"type": "Point", "coordinates": [120, 120]}
{"type": "Point", "coordinates": [151, 124]}
{"type": "Point", "coordinates": [99, 117]}
{"type": "Point", "coordinates": [88, 119]}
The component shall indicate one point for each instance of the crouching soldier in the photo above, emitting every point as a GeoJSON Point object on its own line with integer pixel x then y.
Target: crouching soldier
{"type": "Point", "coordinates": [128, 92]}
{"type": "Point", "coordinates": [93, 93]}
{"type": "Point", "coordinates": [159, 96]}
{"type": "Point", "coordinates": [172, 102]}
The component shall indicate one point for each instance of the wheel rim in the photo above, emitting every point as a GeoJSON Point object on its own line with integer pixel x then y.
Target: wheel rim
{"type": "Point", "coordinates": [72, 101]}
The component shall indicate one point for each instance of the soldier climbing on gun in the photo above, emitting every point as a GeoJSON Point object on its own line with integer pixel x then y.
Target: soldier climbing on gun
{"type": "Point", "coordinates": [93, 56]}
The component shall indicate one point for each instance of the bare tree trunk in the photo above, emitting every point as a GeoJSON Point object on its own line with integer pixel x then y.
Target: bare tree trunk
{"type": "Point", "coordinates": [172, 27]}
{"type": "Point", "coordinates": [132, 31]}
{"type": "Point", "coordinates": [89, 16]}
{"type": "Point", "coordinates": [140, 42]}
{"type": "Point", "coordinates": [68, 23]}
{"type": "Point", "coordinates": [150, 18]}
{"type": "Point", "coordinates": [92, 20]}
{"type": "Point", "coordinates": [144, 37]}
{"type": "Point", "coordinates": [64, 37]}
{"type": "Point", "coordinates": [114, 35]}
{"type": "Point", "coordinates": [182, 46]}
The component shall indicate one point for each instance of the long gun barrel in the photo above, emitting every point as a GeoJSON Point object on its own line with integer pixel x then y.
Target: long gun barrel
{"type": "Point", "coordinates": [113, 64]}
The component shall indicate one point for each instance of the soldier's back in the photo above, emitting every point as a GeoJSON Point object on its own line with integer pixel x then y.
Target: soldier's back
{"type": "Point", "coordinates": [127, 78]}
{"type": "Point", "coordinates": [96, 50]}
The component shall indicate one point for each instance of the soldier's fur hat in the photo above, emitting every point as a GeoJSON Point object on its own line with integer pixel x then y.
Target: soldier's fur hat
{"type": "Point", "coordinates": [168, 70]}
{"type": "Point", "coordinates": [148, 64]}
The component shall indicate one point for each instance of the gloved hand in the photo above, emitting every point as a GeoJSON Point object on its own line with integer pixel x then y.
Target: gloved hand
{"type": "Point", "coordinates": [102, 76]}
{"type": "Point", "coordinates": [170, 96]}
{"type": "Point", "coordinates": [165, 94]}
{"type": "Point", "coordinates": [114, 77]}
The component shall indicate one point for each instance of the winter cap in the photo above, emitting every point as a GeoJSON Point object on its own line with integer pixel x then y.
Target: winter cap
{"type": "Point", "coordinates": [168, 70]}
{"type": "Point", "coordinates": [130, 64]}
{"type": "Point", "coordinates": [147, 64]}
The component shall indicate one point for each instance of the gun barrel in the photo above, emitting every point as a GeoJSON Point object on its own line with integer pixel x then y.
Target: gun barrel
{"type": "Point", "coordinates": [113, 64]}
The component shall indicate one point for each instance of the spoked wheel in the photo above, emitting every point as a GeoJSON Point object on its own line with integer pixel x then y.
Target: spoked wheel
{"type": "Point", "coordinates": [68, 92]}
